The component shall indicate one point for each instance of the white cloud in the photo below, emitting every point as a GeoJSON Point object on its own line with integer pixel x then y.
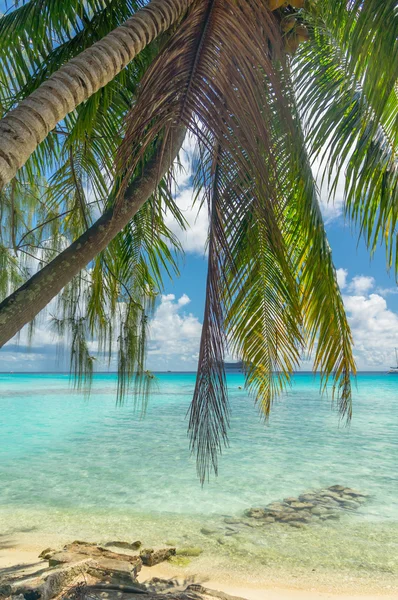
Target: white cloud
{"type": "Point", "coordinates": [184, 300]}
{"type": "Point", "coordinates": [387, 291]}
{"type": "Point", "coordinates": [361, 284]}
{"type": "Point", "coordinates": [174, 336]}
{"type": "Point", "coordinates": [374, 326]}
{"type": "Point", "coordinates": [342, 278]}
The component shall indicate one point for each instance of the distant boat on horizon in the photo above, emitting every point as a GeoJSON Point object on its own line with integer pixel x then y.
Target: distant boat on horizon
{"type": "Point", "coordinates": [394, 370]}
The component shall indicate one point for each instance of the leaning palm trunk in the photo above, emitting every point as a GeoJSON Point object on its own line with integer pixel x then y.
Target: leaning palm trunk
{"type": "Point", "coordinates": [22, 130]}
{"type": "Point", "coordinates": [26, 302]}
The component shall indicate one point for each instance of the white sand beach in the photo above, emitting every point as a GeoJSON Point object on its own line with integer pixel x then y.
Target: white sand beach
{"type": "Point", "coordinates": [22, 557]}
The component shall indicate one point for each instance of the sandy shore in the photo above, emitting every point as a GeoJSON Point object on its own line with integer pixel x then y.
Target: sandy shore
{"type": "Point", "coordinates": [23, 556]}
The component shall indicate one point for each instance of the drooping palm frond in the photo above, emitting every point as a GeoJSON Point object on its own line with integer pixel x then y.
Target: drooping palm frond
{"type": "Point", "coordinates": [367, 32]}
{"type": "Point", "coordinates": [209, 413]}
{"type": "Point", "coordinates": [104, 312]}
{"type": "Point", "coordinates": [240, 103]}
{"type": "Point", "coordinates": [350, 107]}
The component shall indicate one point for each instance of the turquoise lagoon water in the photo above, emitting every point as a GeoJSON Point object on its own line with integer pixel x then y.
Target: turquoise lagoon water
{"type": "Point", "coordinates": [87, 468]}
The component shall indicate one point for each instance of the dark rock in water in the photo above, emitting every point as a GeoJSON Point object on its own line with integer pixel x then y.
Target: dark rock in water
{"type": "Point", "coordinates": [307, 497]}
{"type": "Point", "coordinates": [126, 545]}
{"type": "Point", "coordinates": [297, 516]}
{"type": "Point", "coordinates": [323, 504]}
{"type": "Point", "coordinates": [336, 488]}
{"type": "Point", "coordinates": [350, 504]}
{"type": "Point", "coordinates": [302, 505]}
{"type": "Point", "coordinates": [351, 492]}
{"type": "Point", "coordinates": [255, 513]}
{"type": "Point", "coordinates": [255, 523]}
{"type": "Point", "coordinates": [269, 519]}
{"type": "Point", "coordinates": [330, 515]}
{"type": "Point", "coordinates": [152, 557]}
{"type": "Point", "coordinates": [276, 506]}
{"type": "Point", "coordinates": [318, 510]}
{"type": "Point", "coordinates": [329, 494]}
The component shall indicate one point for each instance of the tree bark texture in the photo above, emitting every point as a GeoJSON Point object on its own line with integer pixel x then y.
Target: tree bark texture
{"type": "Point", "coordinates": [23, 128]}
{"type": "Point", "coordinates": [25, 303]}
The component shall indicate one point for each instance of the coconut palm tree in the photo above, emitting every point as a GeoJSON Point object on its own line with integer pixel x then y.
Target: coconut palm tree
{"type": "Point", "coordinates": [265, 88]}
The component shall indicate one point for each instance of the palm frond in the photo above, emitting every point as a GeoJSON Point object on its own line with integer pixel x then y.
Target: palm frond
{"type": "Point", "coordinates": [209, 410]}
{"type": "Point", "coordinates": [223, 96]}
{"type": "Point", "coordinates": [351, 118]}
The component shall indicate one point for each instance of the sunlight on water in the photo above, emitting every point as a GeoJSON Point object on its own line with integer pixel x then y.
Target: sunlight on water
{"type": "Point", "coordinates": [91, 470]}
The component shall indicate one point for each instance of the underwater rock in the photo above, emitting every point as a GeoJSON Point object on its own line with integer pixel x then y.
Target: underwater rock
{"type": "Point", "coordinates": [318, 510]}
{"type": "Point", "coordinates": [351, 492]}
{"type": "Point", "coordinates": [314, 505]}
{"type": "Point", "coordinates": [336, 488]}
{"type": "Point", "coordinates": [350, 504]}
{"type": "Point", "coordinates": [255, 523]}
{"type": "Point", "coordinates": [330, 515]}
{"type": "Point", "coordinates": [255, 513]}
{"type": "Point", "coordinates": [269, 519]}
{"type": "Point", "coordinates": [307, 497]}
{"type": "Point", "coordinates": [276, 506]}
{"type": "Point", "coordinates": [301, 505]}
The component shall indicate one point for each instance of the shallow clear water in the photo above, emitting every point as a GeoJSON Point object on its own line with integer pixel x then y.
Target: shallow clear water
{"type": "Point", "coordinates": [88, 467]}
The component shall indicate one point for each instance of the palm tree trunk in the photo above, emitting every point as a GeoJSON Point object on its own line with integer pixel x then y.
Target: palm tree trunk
{"type": "Point", "coordinates": [25, 303]}
{"type": "Point", "coordinates": [22, 129]}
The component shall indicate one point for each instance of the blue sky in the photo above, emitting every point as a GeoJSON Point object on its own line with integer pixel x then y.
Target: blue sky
{"type": "Point", "coordinates": [370, 295]}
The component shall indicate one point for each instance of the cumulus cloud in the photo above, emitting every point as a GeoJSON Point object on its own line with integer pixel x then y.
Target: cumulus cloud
{"type": "Point", "coordinates": [174, 336]}
{"type": "Point", "coordinates": [361, 284]}
{"type": "Point", "coordinates": [387, 291]}
{"type": "Point", "coordinates": [342, 278]}
{"type": "Point", "coordinates": [374, 326]}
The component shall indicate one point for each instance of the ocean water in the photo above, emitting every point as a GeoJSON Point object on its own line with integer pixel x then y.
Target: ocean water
{"type": "Point", "coordinates": [86, 468]}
